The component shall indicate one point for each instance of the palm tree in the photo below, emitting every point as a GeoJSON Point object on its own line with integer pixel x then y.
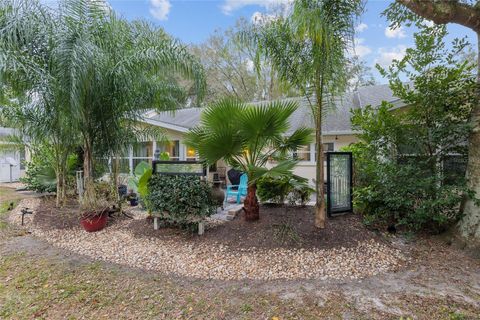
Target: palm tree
{"type": "Point", "coordinates": [115, 71]}
{"type": "Point", "coordinates": [246, 137]}
{"type": "Point", "coordinates": [101, 71]}
{"type": "Point", "coordinates": [309, 51]}
{"type": "Point", "coordinates": [31, 91]}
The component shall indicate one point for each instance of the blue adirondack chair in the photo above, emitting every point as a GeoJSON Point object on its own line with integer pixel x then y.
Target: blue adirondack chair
{"type": "Point", "coordinates": [239, 190]}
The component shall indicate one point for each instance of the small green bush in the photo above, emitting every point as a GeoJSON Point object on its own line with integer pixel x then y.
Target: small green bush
{"type": "Point", "coordinates": [274, 190]}
{"type": "Point", "coordinates": [40, 175]}
{"type": "Point", "coordinates": [182, 200]}
{"type": "Point", "coordinates": [278, 189]}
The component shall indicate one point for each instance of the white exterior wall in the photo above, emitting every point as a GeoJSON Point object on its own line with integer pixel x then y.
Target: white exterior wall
{"type": "Point", "coordinates": [10, 173]}
{"type": "Point", "coordinates": [306, 169]}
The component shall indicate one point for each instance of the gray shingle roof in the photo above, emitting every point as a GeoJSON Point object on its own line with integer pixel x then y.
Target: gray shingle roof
{"type": "Point", "coordinates": [6, 131]}
{"type": "Point", "coordinates": [336, 120]}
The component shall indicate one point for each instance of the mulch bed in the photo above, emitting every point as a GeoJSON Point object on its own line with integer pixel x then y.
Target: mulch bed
{"type": "Point", "coordinates": [278, 227]}
{"type": "Point", "coordinates": [49, 217]}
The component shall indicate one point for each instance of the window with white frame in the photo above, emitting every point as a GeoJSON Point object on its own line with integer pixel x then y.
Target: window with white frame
{"type": "Point", "coordinates": [172, 148]}
{"type": "Point", "coordinates": [303, 153]}
{"type": "Point", "coordinates": [142, 151]}
{"type": "Point", "coordinates": [328, 147]}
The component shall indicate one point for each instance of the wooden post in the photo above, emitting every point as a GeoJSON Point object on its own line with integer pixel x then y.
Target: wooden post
{"type": "Point", "coordinates": [201, 228]}
{"type": "Point", "coordinates": [155, 223]}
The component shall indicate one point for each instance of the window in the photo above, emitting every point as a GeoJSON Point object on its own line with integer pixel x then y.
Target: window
{"type": "Point", "coordinates": [302, 154]}
{"type": "Point", "coordinates": [172, 148]}
{"type": "Point", "coordinates": [142, 151]}
{"type": "Point", "coordinates": [191, 154]}
{"type": "Point", "coordinates": [22, 158]}
{"type": "Point", "coordinates": [329, 146]}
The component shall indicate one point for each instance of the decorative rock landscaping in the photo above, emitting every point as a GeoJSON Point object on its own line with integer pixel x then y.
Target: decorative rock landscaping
{"type": "Point", "coordinates": [118, 244]}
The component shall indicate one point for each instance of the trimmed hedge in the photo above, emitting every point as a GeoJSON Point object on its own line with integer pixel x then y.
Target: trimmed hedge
{"type": "Point", "coordinates": [180, 199]}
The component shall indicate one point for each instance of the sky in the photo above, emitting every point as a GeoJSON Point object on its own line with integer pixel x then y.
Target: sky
{"type": "Point", "coordinates": [192, 21]}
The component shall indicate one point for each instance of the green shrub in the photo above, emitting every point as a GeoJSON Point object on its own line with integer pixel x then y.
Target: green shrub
{"type": "Point", "coordinates": [274, 190]}
{"type": "Point", "coordinates": [181, 200]}
{"type": "Point", "coordinates": [300, 192]}
{"type": "Point", "coordinates": [40, 174]}
{"type": "Point", "coordinates": [278, 189]}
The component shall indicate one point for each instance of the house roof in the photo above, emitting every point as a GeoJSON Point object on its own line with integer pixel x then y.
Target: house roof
{"type": "Point", "coordinates": [6, 131]}
{"type": "Point", "coordinates": [336, 120]}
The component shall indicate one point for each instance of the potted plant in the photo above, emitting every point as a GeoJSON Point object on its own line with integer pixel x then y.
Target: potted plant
{"type": "Point", "coordinates": [94, 220]}
{"type": "Point", "coordinates": [94, 212]}
{"type": "Point", "coordinates": [132, 198]}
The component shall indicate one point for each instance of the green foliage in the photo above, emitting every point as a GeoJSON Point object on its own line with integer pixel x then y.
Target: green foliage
{"type": "Point", "coordinates": [164, 156]}
{"type": "Point", "coordinates": [309, 50]}
{"type": "Point", "coordinates": [278, 189]}
{"type": "Point", "coordinates": [40, 175]}
{"type": "Point", "coordinates": [300, 192]}
{"type": "Point", "coordinates": [140, 170]}
{"type": "Point", "coordinates": [227, 60]}
{"type": "Point", "coordinates": [143, 183]}
{"type": "Point", "coordinates": [400, 172]}
{"type": "Point", "coordinates": [286, 233]}
{"type": "Point", "coordinates": [271, 189]}
{"type": "Point", "coordinates": [398, 160]}
{"type": "Point", "coordinates": [94, 74]}
{"type": "Point", "coordinates": [257, 134]}
{"type": "Point", "coordinates": [181, 200]}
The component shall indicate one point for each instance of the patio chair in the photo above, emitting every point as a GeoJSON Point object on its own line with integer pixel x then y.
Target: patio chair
{"type": "Point", "coordinates": [239, 190]}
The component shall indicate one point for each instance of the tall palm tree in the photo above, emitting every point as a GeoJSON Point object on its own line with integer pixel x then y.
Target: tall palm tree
{"type": "Point", "coordinates": [116, 70]}
{"type": "Point", "coordinates": [309, 50]}
{"type": "Point", "coordinates": [246, 137]}
{"type": "Point", "coordinates": [31, 90]}
{"type": "Point", "coordinates": [107, 71]}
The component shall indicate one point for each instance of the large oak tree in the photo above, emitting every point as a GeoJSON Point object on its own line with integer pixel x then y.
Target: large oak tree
{"type": "Point", "coordinates": [465, 13]}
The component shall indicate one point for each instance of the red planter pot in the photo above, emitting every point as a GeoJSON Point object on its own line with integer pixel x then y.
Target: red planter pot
{"type": "Point", "coordinates": [95, 223]}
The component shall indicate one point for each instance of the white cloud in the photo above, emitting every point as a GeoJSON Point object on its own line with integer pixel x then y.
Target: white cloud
{"type": "Point", "coordinates": [428, 23]}
{"type": "Point", "coordinates": [230, 6]}
{"type": "Point", "coordinates": [387, 55]}
{"type": "Point", "coordinates": [395, 33]}
{"type": "Point", "coordinates": [250, 65]}
{"type": "Point", "coordinates": [261, 18]}
{"type": "Point", "coordinates": [361, 27]}
{"type": "Point", "coordinates": [160, 9]}
{"type": "Point", "coordinates": [361, 49]}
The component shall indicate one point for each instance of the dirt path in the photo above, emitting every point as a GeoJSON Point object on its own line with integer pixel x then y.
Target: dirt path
{"type": "Point", "coordinates": [40, 281]}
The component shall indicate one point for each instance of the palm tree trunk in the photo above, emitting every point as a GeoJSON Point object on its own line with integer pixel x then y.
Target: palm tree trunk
{"type": "Point", "coordinates": [320, 215]}
{"type": "Point", "coordinates": [89, 193]}
{"type": "Point", "coordinates": [251, 207]}
{"type": "Point", "coordinates": [58, 198]}
{"type": "Point", "coordinates": [319, 185]}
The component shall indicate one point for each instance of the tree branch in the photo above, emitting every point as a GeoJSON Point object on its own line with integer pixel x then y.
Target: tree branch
{"type": "Point", "coordinates": [446, 11]}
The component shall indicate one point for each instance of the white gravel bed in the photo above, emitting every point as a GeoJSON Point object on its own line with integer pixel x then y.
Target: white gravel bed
{"type": "Point", "coordinates": [215, 261]}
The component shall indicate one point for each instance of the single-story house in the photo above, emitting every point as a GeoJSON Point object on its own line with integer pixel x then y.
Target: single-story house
{"type": "Point", "coordinates": [12, 165]}
{"type": "Point", "coordinates": [337, 130]}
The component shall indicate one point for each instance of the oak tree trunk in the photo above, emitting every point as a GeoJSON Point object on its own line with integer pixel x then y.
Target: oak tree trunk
{"type": "Point", "coordinates": [250, 205]}
{"type": "Point", "coordinates": [468, 15]}
{"type": "Point", "coordinates": [469, 226]}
